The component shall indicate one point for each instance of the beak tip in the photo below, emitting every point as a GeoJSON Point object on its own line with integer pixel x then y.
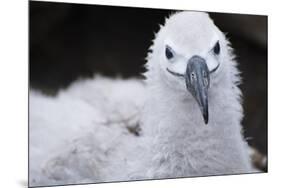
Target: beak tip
{"type": "Point", "coordinates": [206, 118]}
{"type": "Point", "coordinates": [206, 121]}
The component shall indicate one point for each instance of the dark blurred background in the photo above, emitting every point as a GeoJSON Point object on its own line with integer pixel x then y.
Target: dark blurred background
{"type": "Point", "coordinates": [70, 41]}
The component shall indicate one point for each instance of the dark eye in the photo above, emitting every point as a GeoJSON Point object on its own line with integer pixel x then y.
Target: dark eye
{"type": "Point", "coordinates": [169, 53]}
{"type": "Point", "coordinates": [217, 48]}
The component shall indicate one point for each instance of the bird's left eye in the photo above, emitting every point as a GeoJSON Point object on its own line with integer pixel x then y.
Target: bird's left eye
{"type": "Point", "coordinates": [169, 52]}
{"type": "Point", "coordinates": [217, 48]}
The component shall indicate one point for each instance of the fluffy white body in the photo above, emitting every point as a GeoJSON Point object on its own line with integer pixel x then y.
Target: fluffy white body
{"type": "Point", "coordinates": [76, 136]}
{"type": "Point", "coordinates": [82, 144]}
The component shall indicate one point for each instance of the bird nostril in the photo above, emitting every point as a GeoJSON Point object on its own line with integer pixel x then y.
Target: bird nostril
{"type": "Point", "coordinates": [193, 77]}
{"type": "Point", "coordinates": [205, 79]}
{"type": "Point", "coordinates": [206, 82]}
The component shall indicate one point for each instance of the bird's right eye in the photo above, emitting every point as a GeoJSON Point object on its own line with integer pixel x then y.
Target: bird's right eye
{"type": "Point", "coordinates": [169, 52]}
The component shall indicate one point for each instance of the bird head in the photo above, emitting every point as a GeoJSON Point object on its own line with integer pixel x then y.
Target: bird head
{"type": "Point", "coordinates": [190, 51]}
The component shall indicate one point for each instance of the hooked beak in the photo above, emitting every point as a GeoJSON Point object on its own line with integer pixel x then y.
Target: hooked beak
{"type": "Point", "coordinates": [197, 81]}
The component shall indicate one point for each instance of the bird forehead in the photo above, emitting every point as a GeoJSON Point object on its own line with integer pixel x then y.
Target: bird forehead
{"type": "Point", "coordinates": [191, 31]}
{"type": "Point", "coordinates": [196, 42]}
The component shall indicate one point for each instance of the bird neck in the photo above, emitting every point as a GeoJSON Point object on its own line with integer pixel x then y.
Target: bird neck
{"type": "Point", "coordinates": [179, 137]}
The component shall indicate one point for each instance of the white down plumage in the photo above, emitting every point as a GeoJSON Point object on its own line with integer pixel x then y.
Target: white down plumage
{"type": "Point", "coordinates": [183, 120]}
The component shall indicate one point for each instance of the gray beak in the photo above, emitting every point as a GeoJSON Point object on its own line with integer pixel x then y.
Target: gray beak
{"type": "Point", "coordinates": [197, 81]}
